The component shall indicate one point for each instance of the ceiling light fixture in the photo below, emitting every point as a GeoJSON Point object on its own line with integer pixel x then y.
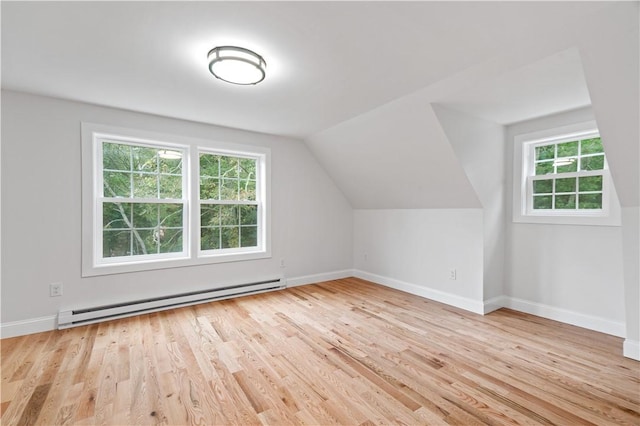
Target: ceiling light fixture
{"type": "Point", "coordinates": [564, 162]}
{"type": "Point", "coordinates": [236, 65]}
{"type": "Point", "coordinates": [169, 155]}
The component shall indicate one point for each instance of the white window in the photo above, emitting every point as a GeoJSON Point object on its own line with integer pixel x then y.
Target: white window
{"type": "Point", "coordinates": [155, 201]}
{"type": "Point", "coordinates": [141, 201]}
{"type": "Point", "coordinates": [230, 202]}
{"type": "Point", "coordinates": [563, 178]}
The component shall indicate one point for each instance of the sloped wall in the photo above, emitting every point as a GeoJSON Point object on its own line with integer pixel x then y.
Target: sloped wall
{"type": "Point", "coordinates": [395, 157]}
{"type": "Point", "coordinates": [480, 147]}
{"type": "Point", "coordinates": [416, 215]}
{"type": "Point", "coordinates": [611, 67]}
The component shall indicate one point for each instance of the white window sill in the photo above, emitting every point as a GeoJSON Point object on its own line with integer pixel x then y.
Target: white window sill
{"type": "Point", "coordinates": [559, 219]}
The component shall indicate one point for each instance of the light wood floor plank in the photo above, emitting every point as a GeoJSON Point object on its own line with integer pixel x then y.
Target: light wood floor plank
{"type": "Point", "coordinates": [340, 352]}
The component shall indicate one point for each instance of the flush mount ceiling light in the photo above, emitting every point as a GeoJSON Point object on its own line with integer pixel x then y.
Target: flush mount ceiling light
{"type": "Point", "coordinates": [236, 65]}
{"type": "Point", "coordinates": [564, 162]}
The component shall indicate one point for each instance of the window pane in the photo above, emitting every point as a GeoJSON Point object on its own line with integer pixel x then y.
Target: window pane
{"type": "Point", "coordinates": [543, 186]}
{"type": "Point", "coordinates": [116, 156]}
{"type": "Point", "coordinates": [116, 215]}
{"type": "Point", "coordinates": [170, 186]}
{"type": "Point", "coordinates": [168, 162]}
{"type": "Point", "coordinates": [229, 189]}
{"type": "Point", "coordinates": [248, 190]}
{"type": "Point", "coordinates": [170, 215]}
{"type": "Point", "coordinates": [566, 201]}
{"type": "Point", "coordinates": [209, 215]}
{"type": "Point", "coordinates": [117, 184]}
{"type": "Point", "coordinates": [542, 202]}
{"type": "Point", "coordinates": [567, 149]}
{"type": "Point", "coordinates": [249, 236]}
{"type": "Point", "coordinates": [592, 163]}
{"type": "Point", "coordinates": [248, 215]}
{"type": "Point", "coordinates": [228, 167]}
{"type": "Point", "coordinates": [144, 242]}
{"type": "Point", "coordinates": [592, 146]}
{"type": "Point", "coordinates": [568, 168]}
{"type": "Point", "coordinates": [591, 183]}
{"type": "Point", "coordinates": [247, 168]}
{"type": "Point", "coordinates": [590, 201]}
{"type": "Point", "coordinates": [229, 215]}
{"type": "Point", "coordinates": [116, 243]}
{"type": "Point", "coordinates": [144, 159]}
{"type": "Point", "coordinates": [544, 168]}
{"type": "Point", "coordinates": [145, 215]}
{"type": "Point", "coordinates": [546, 152]}
{"type": "Point", "coordinates": [566, 185]}
{"type": "Point", "coordinates": [209, 189]}
{"type": "Point", "coordinates": [209, 238]}
{"type": "Point", "coordinates": [209, 165]}
{"type": "Point", "coordinates": [145, 185]}
{"type": "Point", "coordinates": [170, 240]}
{"type": "Point", "coordinates": [230, 237]}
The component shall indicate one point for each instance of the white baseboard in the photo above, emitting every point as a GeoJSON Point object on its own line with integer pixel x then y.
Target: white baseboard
{"type": "Point", "coordinates": [631, 349]}
{"type": "Point", "coordinates": [29, 326]}
{"type": "Point", "coordinates": [465, 303]}
{"type": "Point", "coordinates": [494, 304]}
{"type": "Point", "coordinates": [318, 278]}
{"type": "Point", "coordinates": [590, 322]}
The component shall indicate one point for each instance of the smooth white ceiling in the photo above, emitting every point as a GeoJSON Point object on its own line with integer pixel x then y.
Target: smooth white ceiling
{"type": "Point", "coordinates": [327, 61]}
{"type": "Point", "coordinates": [551, 85]}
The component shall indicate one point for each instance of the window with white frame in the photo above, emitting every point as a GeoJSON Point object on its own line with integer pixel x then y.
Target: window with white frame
{"type": "Point", "coordinates": [566, 175]}
{"type": "Point", "coordinates": [229, 202]}
{"type": "Point", "coordinates": [141, 202]}
{"type": "Point", "coordinates": [155, 201]}
{"type": "Point", "coordinates": [563, 177]}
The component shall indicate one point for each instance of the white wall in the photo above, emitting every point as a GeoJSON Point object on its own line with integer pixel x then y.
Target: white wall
{"type": "Point", "coordinates": [611, 68]}
{"type": "Point", "coordinates": [480, 146]}
{"type": "Point", "coordinates": [567, 272]}
{"type": "Point", "coordinates": [394, 157]}
{"type": "Point", "coordinates": [413, 250]}
{"type": "Point", "coordinates": [41, 212]}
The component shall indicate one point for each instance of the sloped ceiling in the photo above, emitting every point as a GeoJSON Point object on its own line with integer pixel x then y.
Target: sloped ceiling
{"type": "Point", "coordinates": [355, 80]}
{"type": "Point", "coordinates": [327, 61]}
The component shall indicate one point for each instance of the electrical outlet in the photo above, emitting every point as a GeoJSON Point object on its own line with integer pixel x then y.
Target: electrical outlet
{"type": "Point", "coordinates": [366, 257]}
{"type": "Point", "coordinates": [453, 274]}
{"type": "Point", "coordinates": [282, 264]}
{"type": "Point", "coordinates": [55, 289]}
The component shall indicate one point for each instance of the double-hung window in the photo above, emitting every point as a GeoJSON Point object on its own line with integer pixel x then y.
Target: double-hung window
{"type": "Point", "coordinates": [155, 201]}
{"type": "Point", "coordinates": [229, 202]}
{"type": "Point", "coordinates": [564, 178]}
{"type": "Point", "coordinates": [141, 203]}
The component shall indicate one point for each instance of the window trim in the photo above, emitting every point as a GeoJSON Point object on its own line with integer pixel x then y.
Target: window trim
{"type": "Point", "coordinates": [523, 212]}
{"type": "Point", "coordinates": [190, 255]}
{"type": "Point", "coordinates": [261, 201]}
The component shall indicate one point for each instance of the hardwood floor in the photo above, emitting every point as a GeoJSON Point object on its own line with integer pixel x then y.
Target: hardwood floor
{"type": "Point", "coordinates": [341, 352]}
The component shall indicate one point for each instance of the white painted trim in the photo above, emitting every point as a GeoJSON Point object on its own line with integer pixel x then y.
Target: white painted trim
{"type": "Point", "coordinates": [494, 304]}
{"type": "Point", "coordinates": [610, 216]}
{"type": "Point", "coordinates": [28, 326]}
{"type": "Point", "coordinates": [631, 349]}
{"type": "Point", "coordinates": [318, 278]}
{"type": "Point", "coordinates": [590, 322]}
{"type": "Point", "coordinates": [465, 303]}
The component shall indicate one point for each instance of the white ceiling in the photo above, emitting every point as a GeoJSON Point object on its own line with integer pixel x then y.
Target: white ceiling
{"type": "Point", "coordinates": [327, 61]}
{"type": "Point", "coordinates": [548, 86]}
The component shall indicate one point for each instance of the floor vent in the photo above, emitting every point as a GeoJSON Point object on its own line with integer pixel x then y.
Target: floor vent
{"type": "Point", "coordinates": [77, 317]}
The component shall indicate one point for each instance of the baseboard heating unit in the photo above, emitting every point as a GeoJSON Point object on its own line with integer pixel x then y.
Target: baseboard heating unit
{"type": "Point", "coordinates": [77, 317]}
